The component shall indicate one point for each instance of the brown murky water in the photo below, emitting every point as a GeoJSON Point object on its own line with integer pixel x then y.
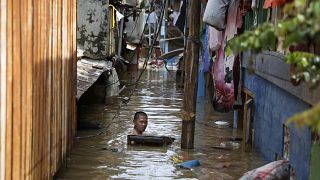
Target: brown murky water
{"type": "Point", "coordinates": [107, 156]}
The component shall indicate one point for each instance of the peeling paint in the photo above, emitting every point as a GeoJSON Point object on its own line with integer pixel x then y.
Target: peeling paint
{"type": "Point", "coordinates": [94, 33]}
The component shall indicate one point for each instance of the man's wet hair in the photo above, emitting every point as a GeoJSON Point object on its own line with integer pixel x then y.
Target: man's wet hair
{"type": "Point", "coordinates": [139, 114]}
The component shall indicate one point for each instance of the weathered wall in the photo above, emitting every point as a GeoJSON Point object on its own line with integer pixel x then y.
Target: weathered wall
{"type": "Point", "coordinates": [37, 86]}
{"type": "Point", "coordinates": [95, 27]}
{"type": "Point", "coordinates": [273, 106]}
{"type": "Point", "coordinates": [131, 2]}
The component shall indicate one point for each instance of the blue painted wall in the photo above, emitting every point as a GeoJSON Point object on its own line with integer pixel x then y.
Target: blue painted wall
{"type": "Point", "coordinates": [201, 84]}
{"type": "Point", "coordinates": [273, 106]}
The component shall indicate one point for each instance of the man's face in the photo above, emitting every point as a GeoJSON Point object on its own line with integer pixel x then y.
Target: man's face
{"type": "Point", "coordinates": [141, 124]}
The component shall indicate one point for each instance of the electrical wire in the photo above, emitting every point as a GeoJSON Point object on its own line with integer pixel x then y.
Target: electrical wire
{"type": "Point", "coordinates": [135, 25]}
{"type": "Point", "coordinates": [104, 129]}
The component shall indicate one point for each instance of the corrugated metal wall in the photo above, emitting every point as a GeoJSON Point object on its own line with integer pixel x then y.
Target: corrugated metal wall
{"type": "Point", "coordinates": [256, 17]}
{"type": "Point", "coordinates": [38, 86]}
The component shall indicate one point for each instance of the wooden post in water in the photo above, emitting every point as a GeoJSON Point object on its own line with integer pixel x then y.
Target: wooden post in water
{"type": "Point", "coordinates": [191, 77]}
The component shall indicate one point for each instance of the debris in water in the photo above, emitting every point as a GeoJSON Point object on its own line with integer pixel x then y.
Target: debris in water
{"type": "Point", "coordinates": [274, 170]}
{"type": "Point", "coordinates": [221, 123]}
{"type": "Point", "coordinates": [231, 138]}
{"type": "Point", "coordinates": [189, 164]}
{"type": "Point", "coordinates": [176, 159]}
{"type": "Point", "coordinates": [227, 145]}
{"type": "Point", "coordinates": [149, 140]}
{"type": "Point", "coordinates": [222, 165]}
{"type": "Point", "coordinates": [222, 147]}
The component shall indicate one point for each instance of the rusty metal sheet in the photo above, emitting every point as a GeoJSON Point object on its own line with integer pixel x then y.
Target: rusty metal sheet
{"type": "Point", "coordinates": [88, 72]}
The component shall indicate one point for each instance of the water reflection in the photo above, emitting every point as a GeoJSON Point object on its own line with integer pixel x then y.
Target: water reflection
{"type": "Point", "coordinates": [108, 157]}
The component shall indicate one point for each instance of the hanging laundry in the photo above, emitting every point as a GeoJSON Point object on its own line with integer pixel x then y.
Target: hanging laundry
{"type": "Point", "coordinates": [119, 16]}
{"type": "Point", "coordinates": [231, 27]}
{"type": "Point", "coordinates": [180, 23]}
{"type": "Point", "coordinates": [215, 13]}
{"type": "Point", "coordinates": [214, 38]}
{"type": "Point", "coordinates": [223, 68]}
{"type": "Point", "coordinates": [205, 50]}
{"type": "Point", "coordinates": [224, 92]}
{"type": "Point", "coordinates": [254, 5]}
{"type": "Point", "coordinates": [273, 3]}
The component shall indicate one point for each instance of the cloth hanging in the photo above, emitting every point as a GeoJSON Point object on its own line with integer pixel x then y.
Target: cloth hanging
{"type": "Point", "coordinates": [180, 23]}
{"type": "Point", "coordinates": [232, 24]}
{"type": "Point", "coordinates": [205, 50]}
{"type": "Point", "coordinates": [273, 3]}
{"type": "Point", "coordinates": [215, 39]}
{"type": "Point", "coordinates": [215, 13]}
{"type": "Point", "coordinates": [223, 68]}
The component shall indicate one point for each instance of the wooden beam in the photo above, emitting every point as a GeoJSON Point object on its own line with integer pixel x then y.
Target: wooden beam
{"type": "Point", "coordinates": [9, 99]}
{"type": "Point", "coordinates": [3, 86]}
{"type": "Point", "coordinates": [191, 77]}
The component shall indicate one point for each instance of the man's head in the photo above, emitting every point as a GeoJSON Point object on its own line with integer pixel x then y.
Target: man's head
{"type": "Point", "coordinates": [140, 122]}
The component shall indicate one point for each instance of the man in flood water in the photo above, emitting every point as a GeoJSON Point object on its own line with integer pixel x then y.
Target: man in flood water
{"type": "Point", "coordinates": [140, 122]}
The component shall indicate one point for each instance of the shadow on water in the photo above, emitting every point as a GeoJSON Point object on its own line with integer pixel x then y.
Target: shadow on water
{"type": "Point", "coordinates": [107, 156]}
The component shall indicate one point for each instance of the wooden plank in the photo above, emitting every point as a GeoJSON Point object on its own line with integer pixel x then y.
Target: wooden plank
{"type": "Point", "coordinates": [176, 52]}
{"type": "Point", "coordinates": [35, 172]}
{"type": "Point", "coordinates": [54, 140]}
{"type": "Point", "coordinates": [24, 63]}
{"type": "Point", "coordinates": [69, 60]}
{"type": "Point", "coordinates": [191, 81]}
{"type": "Point", "coordinates": [74, 57]}
{"type": "Point", "coordinates": [45, 38]}
{"type": "Point", "coordinates": [248, 92]}
{"type": "Point", "coordinates": [71, 74]}
{"type": "Point", "coordinates": [41, 82]}
{"type": "Point", "coordinates": [244, 125]}
{"type": "Point", "coordinates": [247, 105]}
{"type": "Point", "coordinates": [49, 71]}
{"type": "Point", "coordinates": [2, 129]}
{"type": "Point", "coordinates": [64, 78]}
{"type": "Point", "coordinates": [3, 86]}
{"type": "Point", "coordinates": [59, 85]}
{"type": "Point", "coordinates": [28, 86]}
{"type": "Point", "coordinates": [9, 92]}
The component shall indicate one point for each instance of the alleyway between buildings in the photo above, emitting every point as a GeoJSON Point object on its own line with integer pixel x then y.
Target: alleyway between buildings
{"type": "Point", "coordinates": [107, 156]}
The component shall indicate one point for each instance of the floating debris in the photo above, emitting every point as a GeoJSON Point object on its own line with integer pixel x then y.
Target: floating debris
{"type": "Point", "coordinates": [221, 123]}
{"type": "Point", "coordinates": [149, 140]}
{"type": "Point", "coordinates": [176, 159]}
{"type": "Point", "coordinates": [189, 164]}
{"type": "Point", "coordinates": [227, 145]}
{"type": "Point", "coordinates": [274, 170]}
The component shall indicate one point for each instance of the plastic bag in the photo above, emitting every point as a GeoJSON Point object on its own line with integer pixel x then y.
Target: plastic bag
{"type": "Point", "coordinates": [215, 13]}
{"type": "Point", "coordinates": [215, 39]}
{"type": "Point", "coordinates": [274, 170]}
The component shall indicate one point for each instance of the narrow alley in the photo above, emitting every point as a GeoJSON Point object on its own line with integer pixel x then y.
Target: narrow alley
{"type": "Point", "coordinates": [159, 89]}
{"type": "Point", "coordinates": [108, 155]}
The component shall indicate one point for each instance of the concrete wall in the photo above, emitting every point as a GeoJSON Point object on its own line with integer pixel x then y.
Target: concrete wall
{"type": "Point", "coordinates": [273, 106]}
{"type": "Point", "coordinates": [134, 29]}
{"type": "Point", "coordinates": [94, 27]}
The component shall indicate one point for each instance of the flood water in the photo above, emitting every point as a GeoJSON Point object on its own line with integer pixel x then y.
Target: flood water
{"type": "Point", "coordinates": [107, 156]}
